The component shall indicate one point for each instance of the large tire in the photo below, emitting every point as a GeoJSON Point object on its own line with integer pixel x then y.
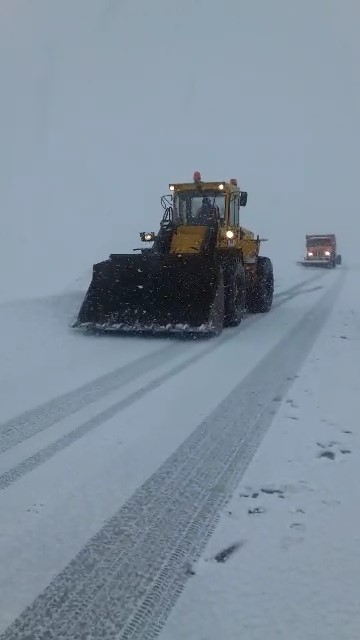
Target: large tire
{"type": "Point", "coordinates": [261, 297]}
{"type": "Point", "coordinates": [338, 259]}
{"type": "Point", "coordinates": [235, 293]}
{"type": "Point", "coordinates": [217, 312]}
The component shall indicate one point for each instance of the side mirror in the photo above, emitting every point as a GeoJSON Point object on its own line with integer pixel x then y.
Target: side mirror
{"type": "Point", "coordinates": [147, 236]}
{"type": "Point", "coordinates": [243, 198]}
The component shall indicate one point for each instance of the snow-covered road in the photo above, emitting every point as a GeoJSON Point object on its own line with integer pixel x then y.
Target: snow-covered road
{"type": "Point", "coordinates": [284, 562]}
{"type": "Point", "coordinates": [118, 454]}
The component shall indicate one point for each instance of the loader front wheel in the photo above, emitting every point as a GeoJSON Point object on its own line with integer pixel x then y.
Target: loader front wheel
{"type": "Point", "coordinates": [261, 296]}
{"type": "Point", "coordinates": [235, 294]}
{"type": "Point", "coordinates": [217, 312]}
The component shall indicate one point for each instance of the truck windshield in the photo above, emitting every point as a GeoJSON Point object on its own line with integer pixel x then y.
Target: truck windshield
{"type": "Point", "coordinates": [319, 242]}
{"type": "Point", "coordinates": [194, 208]}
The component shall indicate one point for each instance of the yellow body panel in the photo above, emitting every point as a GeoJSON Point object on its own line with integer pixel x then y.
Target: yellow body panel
{"type": "Point", "coordinates": [247, 233]}
{"type": "Point", "coordinates": [199, 186]}
{"type": "Point", "coordinates": [188, 239]}
{"type": "Point", "coordinates": [250, 249]}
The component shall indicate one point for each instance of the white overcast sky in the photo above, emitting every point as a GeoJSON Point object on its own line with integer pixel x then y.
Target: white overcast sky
{"type": "Point", "coordinates": [104, 103]}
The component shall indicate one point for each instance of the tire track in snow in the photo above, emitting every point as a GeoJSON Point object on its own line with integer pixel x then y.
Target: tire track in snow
{"type": "Point", "coordinates": [31, 422]}
{"type": "Point", "coordinates": [46, 415]}
{"type": "Point", "coordinates": [125, 581]}
{"type": "Point", "coordinates": [43, 455]}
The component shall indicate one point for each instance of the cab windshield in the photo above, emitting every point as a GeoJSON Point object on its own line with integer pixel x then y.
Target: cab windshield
{"type": "Point", "coordinates": [319, 242]}
{"type": "Point", "coordinates": [194, 208]}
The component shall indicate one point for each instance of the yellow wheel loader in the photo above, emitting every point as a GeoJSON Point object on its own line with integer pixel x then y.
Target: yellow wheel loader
{"type": "Point", "coordinates": [202, 272]}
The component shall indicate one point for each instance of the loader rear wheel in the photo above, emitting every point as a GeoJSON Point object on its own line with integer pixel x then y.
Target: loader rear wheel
{"type": "Point", "coordinates": [261, 296]}
{"type": "Point", "coordinates": [235, 294]}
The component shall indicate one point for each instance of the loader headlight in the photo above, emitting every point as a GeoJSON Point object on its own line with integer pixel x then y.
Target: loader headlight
{"type": "Point", "coordinates": [230, 234]}
{"type": "Point", "coordinates": [147, 236]}
{"type": "Point", "coordinates": [327, 253]}
{"type": "Point", "coordinates": [172, 188]}
{"type": "Point", "coordinates": [221, 186]}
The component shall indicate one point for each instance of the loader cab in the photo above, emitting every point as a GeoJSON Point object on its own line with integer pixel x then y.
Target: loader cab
{"type": "Point", "coordinates": [215, 205]}
{"type": "Point", "coordinates": [204, 203]}
{"type": "Point", "coordinates": [193, 208]}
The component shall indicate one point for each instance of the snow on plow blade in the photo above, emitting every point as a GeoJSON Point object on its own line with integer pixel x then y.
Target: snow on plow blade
{"type": "Point", "coordinates": [315, 263]}
{"type": "Point", "coordinates": [154, 293]}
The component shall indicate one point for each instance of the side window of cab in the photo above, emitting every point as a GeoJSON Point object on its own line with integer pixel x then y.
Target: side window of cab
{"type": "Point", "coordinates": [234, 217]}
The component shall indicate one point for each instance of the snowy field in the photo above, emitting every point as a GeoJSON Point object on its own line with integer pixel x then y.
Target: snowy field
{"type": "Point", "coordinates": [157, 488]}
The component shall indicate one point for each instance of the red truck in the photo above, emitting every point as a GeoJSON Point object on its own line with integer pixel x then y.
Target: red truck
{"type": "Point", "coordinates": [321, 251]}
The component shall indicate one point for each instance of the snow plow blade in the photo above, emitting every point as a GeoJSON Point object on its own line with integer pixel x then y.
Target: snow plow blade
{"type": "Point", "coordinates": [315, 263]}
{"type": "Point", "coordinates": [152, 293]}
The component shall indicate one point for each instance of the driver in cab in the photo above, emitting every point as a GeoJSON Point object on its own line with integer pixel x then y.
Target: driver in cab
{"type": "Point", "coordinates": [206, 213]}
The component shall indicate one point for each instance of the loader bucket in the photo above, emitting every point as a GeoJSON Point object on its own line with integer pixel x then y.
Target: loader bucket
{"type": "Point", "coordinates": [155, 293]}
